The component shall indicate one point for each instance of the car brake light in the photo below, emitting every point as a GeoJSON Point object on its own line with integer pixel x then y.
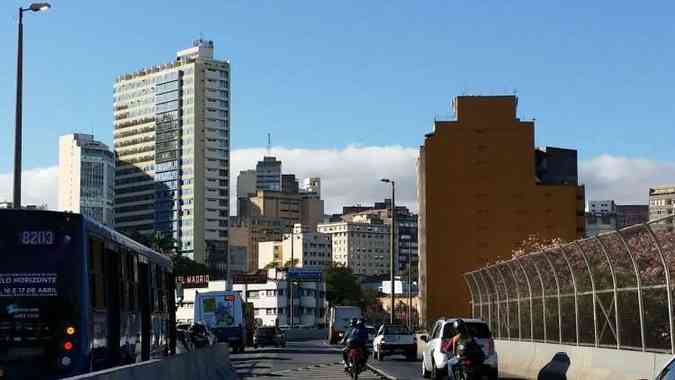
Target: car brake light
{"type": "Point", "coordinates": [445, 345]}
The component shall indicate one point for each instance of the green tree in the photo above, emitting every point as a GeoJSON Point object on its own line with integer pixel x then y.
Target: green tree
{"type": "Point", "coordinates": [184, 266]}
{"type": "Point", "coordinates": [342, 286]}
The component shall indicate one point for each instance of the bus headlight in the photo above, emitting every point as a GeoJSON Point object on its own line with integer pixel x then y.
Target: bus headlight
{"type": "Point", "coordinates": [65, 361]}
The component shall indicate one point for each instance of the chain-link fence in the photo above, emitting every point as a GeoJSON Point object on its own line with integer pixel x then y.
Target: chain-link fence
{"type": "Point", "coordinates": [613, 290]}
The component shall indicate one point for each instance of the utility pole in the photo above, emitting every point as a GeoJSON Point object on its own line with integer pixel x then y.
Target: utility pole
{"type": "Point", "coordinates": [290, 283]}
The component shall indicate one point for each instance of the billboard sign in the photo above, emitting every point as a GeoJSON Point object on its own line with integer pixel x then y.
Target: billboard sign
{"type": "Point", "coordinates": [250, 278]}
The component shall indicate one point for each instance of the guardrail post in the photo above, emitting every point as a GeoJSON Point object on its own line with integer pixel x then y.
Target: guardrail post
{"type": "Point", "coordinates": [595, 300]}
{"type": "Point", "coordinates": [487, 288]}
{"type": "Point", "coordinates": [668, 289]}
{"type": "Point", "coordinates": [616, 291]}
{"type": "Point", "coordinates": [576, 296]}
{"type": "Point", "coordinates": [639, 290]}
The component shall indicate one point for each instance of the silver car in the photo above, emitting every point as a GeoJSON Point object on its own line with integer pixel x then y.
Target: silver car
{"type": "Point", "coordinates": [435, 352]}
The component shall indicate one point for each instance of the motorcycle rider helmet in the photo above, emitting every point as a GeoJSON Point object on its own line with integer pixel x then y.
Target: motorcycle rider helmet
{"type": "Point", "coordinates": [459, 326]}
{"type": "Point", "coordinates": [354, 322]}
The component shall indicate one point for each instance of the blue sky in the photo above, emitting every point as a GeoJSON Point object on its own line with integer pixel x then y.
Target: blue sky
{"type": "Point", "coordinates": [597, 76]}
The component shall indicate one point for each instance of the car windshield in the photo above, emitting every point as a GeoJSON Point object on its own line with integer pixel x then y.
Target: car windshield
{"type": "Point", "coordinates": [395, 330]}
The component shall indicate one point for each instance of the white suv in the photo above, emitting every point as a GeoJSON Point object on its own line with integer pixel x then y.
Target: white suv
{"type": "Point", "coordinates": [435, 352]}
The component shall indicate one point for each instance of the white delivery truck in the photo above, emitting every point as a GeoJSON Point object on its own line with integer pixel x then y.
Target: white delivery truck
{"type": "Point", "coordinates": [339, 319]}
{"type": "Point", "coordinates": [222, 312]}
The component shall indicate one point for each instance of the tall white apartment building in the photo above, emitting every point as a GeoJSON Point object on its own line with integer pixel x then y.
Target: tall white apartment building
{"type": "Point", "coordinates": [360, 245]}
{"type": "Point", "coordinates": [86, 177]}
{"type": "Point", "coordinates": [172, 140]}
{"type": "Point", "coordinates": [311, 185]}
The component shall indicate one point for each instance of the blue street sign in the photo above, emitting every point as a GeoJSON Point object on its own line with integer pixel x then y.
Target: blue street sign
{"type": "Point", "coordinates": [296, 274]}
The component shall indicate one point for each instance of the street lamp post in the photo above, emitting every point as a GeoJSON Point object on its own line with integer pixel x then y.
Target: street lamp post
{"type": "Point", "coordinates": [407, 240]}
{"type": "Point", "coordinates": [35, 7]}
{"type": "Point", "coordinates": [392, 244]}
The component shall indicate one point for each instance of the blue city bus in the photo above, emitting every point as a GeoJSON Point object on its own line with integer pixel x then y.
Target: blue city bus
{"type": "Point", "coordinates": [76, 296]}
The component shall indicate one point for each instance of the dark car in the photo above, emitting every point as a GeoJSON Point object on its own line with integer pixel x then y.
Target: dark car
{"type": "Point", "coordinates": [269, 336]}
{"type": "Point", "coordinates": [199, 334]}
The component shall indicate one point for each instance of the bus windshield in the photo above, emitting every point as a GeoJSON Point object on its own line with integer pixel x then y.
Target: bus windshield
{"type": "Point", "coordinates": [39, 300]}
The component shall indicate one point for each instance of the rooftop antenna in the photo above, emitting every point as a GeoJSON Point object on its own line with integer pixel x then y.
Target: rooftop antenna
{"type": "Point", "coordinates": [269, 144]}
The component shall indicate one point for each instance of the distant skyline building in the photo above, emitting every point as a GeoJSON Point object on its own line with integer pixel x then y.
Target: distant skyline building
{"type": "Point", "coordinates": [606, 216]}
{"type": "Point", "coordinates": [246, 183]}
{"type": "Point", "coordinates": [172, 140]}
{"type": "Point", "coordinates": [86, 177]}
{"type": "Point", "coordinates": [312, 250]}
{"type": "Point", "coordinates": [661, 201]}
{"type": "Point", "coordinates": [361, 245]}
{"type": "Point", "coordinates": [268, 173]}
{"type": "Point", "coordinates": [289, 184]}
{"type": "Point", "coordinates": [311, 185]}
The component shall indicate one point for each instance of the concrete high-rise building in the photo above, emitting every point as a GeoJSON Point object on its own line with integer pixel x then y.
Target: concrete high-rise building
{"type": "Point", "coordinates": [482, 190]}
{"type": "Point", "coordinates": [246, 183]}
{"type": "Point", "coordinates": [268, 174]}
{"type": "Point", "coordinates": [406, 229]}
{"type": "Point", "coordinates": [289, 184]}
{"type": "Point", "coordinates": [661, 201]}
{"type": "Point", "coordinates": [312, 250]}
{"type": "Point", "coordinates": [172, 140]}
{"type": "Point", "coordinates": [248, 231]}
{"type": "Point", "coordinates": [311, 185]}
{"type": "Point", "coordinates": [602, 207]}
{"type": "Point", "coordinates": [361, 245]}
{"type": "Point", "coordinates": [627, 215]}
{"type": "Point", "coordinates": [86, 177]}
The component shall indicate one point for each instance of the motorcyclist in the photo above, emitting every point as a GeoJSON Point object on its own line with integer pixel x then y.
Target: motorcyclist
{"type": "Point", "coordinates": [359, 335]}
{"type": "Point", "coordinates": [465, 340]}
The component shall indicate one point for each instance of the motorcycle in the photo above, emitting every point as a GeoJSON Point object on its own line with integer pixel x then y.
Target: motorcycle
{"type": "Point", "coordinates": [355, 363]}
{"type": "Point", "coordinates": [467, 364]}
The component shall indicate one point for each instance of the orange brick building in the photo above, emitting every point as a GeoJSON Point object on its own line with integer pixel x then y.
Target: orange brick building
{"type": "Point", "coordinates": [483, 188]}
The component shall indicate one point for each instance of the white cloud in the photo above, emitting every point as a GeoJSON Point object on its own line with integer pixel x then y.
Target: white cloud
{"type": "Point", "coordinates": [348, 176]}
{"type": "Point", "coordinates": [352, 175]}
{"type": "Point", "coordinates": [623, 179]}
{"type": "Point", "coordinates": [38, 186]}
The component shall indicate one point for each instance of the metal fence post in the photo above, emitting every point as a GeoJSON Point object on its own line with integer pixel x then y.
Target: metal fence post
{"type": "Point", "coordinates": [480, 293]}
{"type": "Point", "coordinates": [616, 291]}
{"type": "Point", "coordinates": [557, 285]}
{"type": "Point", "coordinates": [513, 273]}
{"type": "Point", "coordinates": [507, 301]}
{"type": "Point", "coordinates": [489, 295]}
{"type": "Point", "coordinates": [576, 292]}
{"type": "Point", "coordinates": [595, 301]}
{"type": "Point", "coordinates": [639, 290]}
{"type": "Point", "coordinates": [668, 289]}
{"type": "Point", "coordinates": [529, 288]}
{"type": "Point", "coordinates": [543, 293]}
{"type": "Point", "coordinates": [499, 311]}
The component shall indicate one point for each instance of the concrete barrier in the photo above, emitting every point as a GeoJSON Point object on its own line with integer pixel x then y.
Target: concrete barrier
{"type": "Point", "coordinates": [204, 364]}
{"type": "Point", "coordinates": [553, 361]}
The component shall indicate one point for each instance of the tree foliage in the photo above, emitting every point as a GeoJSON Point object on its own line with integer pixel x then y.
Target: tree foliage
{"type": "Point", "coordinates": [342, 286]}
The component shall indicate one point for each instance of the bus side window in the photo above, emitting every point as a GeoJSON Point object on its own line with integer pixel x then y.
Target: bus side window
{"type": "Point", "coordinates": [131, 280]}
{"type": "Point", "coordinates": [122, 282]}
{"type": "Point", "coordinates": [96, 274]}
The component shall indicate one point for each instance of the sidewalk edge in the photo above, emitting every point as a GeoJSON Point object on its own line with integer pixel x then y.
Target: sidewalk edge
{"type": "Point", "coordinates": [381, 372]}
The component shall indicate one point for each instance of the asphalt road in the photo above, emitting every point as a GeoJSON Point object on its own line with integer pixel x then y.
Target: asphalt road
{"type": "Point", "coordinates": [400, 368]}
{"type": "Point", "coordinates": [315, 360]}
{"type": "Point", "coordinates": [298, 360]}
